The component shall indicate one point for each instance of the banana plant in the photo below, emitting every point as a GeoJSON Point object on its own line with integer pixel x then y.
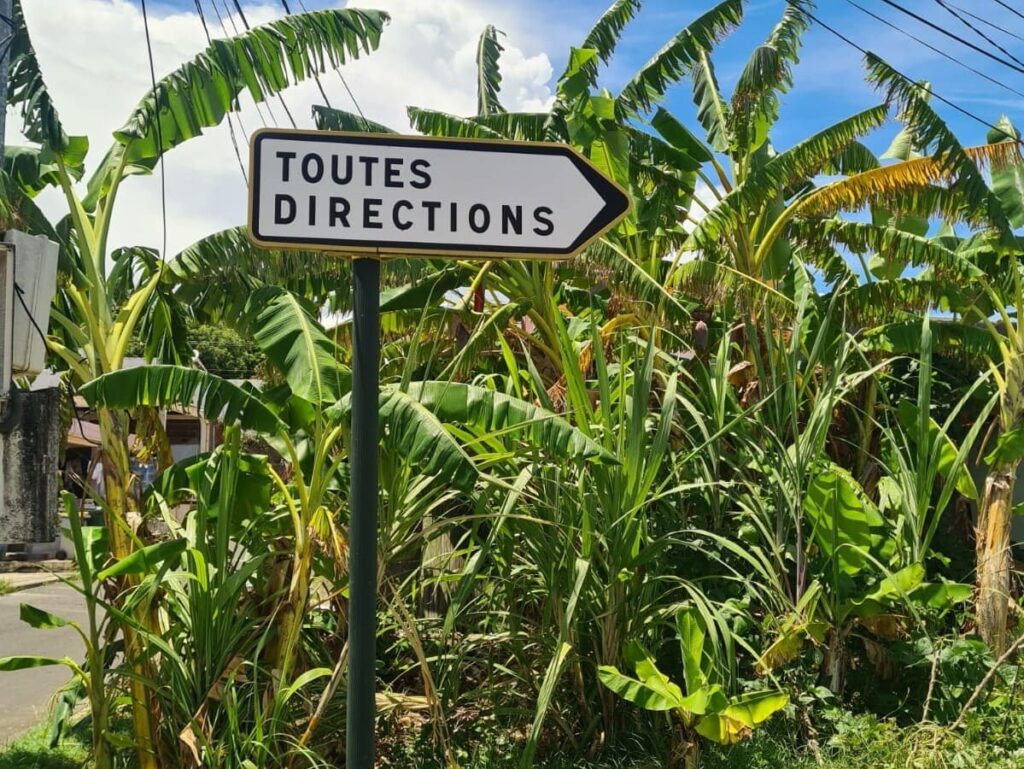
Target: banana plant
{"type": "Point", "coordinates": [93, 325]}
{"type": "Point", "coordinates": [703, 706]}
{"type": "Point", "coordinates": [89, 677]}
{"type": "Point", "coordinates": [863, 579]}
{"type": "Point", "coordinates": [306, 418]}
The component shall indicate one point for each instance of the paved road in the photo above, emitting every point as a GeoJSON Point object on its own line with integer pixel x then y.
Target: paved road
{"type": "Point", "coordinates": [25, 695]}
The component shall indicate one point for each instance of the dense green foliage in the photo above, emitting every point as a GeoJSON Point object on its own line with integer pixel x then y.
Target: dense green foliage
{"type": "Point", "coordinates": [703, 496]}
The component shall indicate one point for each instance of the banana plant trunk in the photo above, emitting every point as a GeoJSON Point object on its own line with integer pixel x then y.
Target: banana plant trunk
{"type": "Point", "coordinates": [116, 478]}
{"type": "Point", "coordinates": [993, 554]}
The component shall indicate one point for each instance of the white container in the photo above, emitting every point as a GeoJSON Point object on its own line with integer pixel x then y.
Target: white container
{"type": "Point", "coordinates": [35, 274]}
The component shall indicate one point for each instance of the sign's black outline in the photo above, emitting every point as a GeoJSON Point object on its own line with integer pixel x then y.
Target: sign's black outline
{"type": "Point", "coordinates": [609, 215]}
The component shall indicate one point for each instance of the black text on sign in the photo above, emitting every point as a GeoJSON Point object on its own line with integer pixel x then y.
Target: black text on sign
{"type": "Point", "coordinates": [400, 194]}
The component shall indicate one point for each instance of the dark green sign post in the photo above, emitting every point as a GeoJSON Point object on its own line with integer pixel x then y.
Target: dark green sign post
{"type": "Point", "coordinates": [374, 195]}
{"type": "Point", "coordinates": [362, 537]}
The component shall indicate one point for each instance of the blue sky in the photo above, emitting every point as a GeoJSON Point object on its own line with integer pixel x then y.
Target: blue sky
{"type": "Point", "coordinates": [93, 57]}
{"type": "Point", "coordinates": [829, 81]}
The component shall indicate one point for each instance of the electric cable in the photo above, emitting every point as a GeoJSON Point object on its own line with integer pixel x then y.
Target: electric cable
{"type": "Point", "coordinates": [231, 124]}
{"type": "Point", "coordinates": [985, 21]}
{"type": "Point", "coordinates": [159, 137]}
{"type": "Point", "coordinates": [344, 82]}
{"type": "Point", "coordinates": [20, 293]}
{"type": "Point", "coordinates": [316, 77]}
{"type": "Point", "coordinates": [1010, 8]}
{"type": "Point", "coordinates": [935, 49]}
{"type": "Point", "coordinates": [234, 26]}
{"type": "Point", "coordinates": [947, 33]}
{"type": "Point", "coordinates": [280, 96]}
{"type": "Point", "coordinates": [979, 32]}
{"type": "Point", "coordinates": [938, 96]}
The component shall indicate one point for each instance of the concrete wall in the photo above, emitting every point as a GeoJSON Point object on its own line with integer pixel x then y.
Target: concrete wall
{"type": "Point", "coordinates": [28, 470]}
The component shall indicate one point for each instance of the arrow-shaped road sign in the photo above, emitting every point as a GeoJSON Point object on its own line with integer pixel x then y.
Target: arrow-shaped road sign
{"type": "Point", "coordinates": [391, 194]}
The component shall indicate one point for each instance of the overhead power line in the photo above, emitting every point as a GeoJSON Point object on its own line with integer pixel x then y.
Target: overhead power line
{"type": "Point", "coordinates": [352, 96]}
{"type": "Point", "coordinates": [316, 77]}
{"type": "Point", "coordinates": [1010, 8]}
{"type": "Point", "coordinates": [947, 33]}
{"type": "Point", "coordinates": [979, 32]}
{"type": "Point", "coordinates": [224, 29]}
{"type": "Point", "coordinates": [985, 21]}
{"type": "Point", "coordinates": [929, 46]}
{"type": "Point", "coordinates": [280, 97]}
{"type": "Point", "coordinates": [938, 96]}
{"type": "Point", "coordinates": [156, 123]}
{"type": "Point", "coordinates": [231, 123]}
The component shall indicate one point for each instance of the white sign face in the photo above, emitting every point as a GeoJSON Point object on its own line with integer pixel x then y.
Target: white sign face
{"type": "Point", "coordinates": [390, 194]}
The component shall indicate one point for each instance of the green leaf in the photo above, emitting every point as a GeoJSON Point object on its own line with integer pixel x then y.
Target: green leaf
{"type": "Point", "coordinates": [285, 329]}
{"type": "Point", "coordinates": [27, 89]}
{"type": "Point", "coordinates": [34, 169]}
{"type": "Point", "coordinates": [691, 643]}
{"type": "Point", "coordinates": [329, 119]}
{"type": "Point", "coordinates": [679, 136]}
{"type": "Point", "coordinates": [421, 439]}
{"type": "Point", "coordinates": [435, 123]}
{"type": "Point", "coordinates": [929, 130]}
{"type": "Point", "coordinates": [942, 596]}
{"type": "Point", "coordinates": [213, 397]}
{"type": "Point", "coordinates": [755, 708]}
{"type": "Point", "coordinates": [712, 111]}
{"type": "Point", "coordinates": [216, 276]}
{"type": "Point", "coordinates": [426, 291]}
{"type": "Point", "coordinates": [41, 620]}
{"type": "Point", "coordinates": [797, 164]}
{"type": "Point", "coordinates": [488, 411]}
{"type": "Point", "coordinates": [145, 559]}
{"type": "Point", "coordinates": [1008, 181]}
{"type": "Point", "coordinates": [263, 60]}
{"type": "Point", "coordinates": [1009, 449]}
{"type": "Point", "coordinates": [890, 590]}
{"type": "Point", "coordinates": [488, 73]}
{"type": "Point", "coordinates": [767, 75]}
{"type": "Point", "coordinates": [744, 713]}
{"type": "Point", "coordinates": [11, 664]}
{"type": "Point", "coordinates": [681, 53]}
{"type": "Point", "coordinates": [252, 484]}
{"type": "Point", "coordinates": [604, 35]}
{"type": "Point", "coordinates": [907, 414]}
{"type": "Point", "coordinates": [846, 525]}
{"type": "Point", "coordinates": [640, 693]}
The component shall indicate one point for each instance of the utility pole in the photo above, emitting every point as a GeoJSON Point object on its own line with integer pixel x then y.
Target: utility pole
{"type": "Point", "coordinates": [7, 36]}
{"type": "Point", "coordinates": [7, 30]}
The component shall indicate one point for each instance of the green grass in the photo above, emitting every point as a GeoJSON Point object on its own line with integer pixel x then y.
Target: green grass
{"type": "Point", "coordinates": [32, 751]}
{"type": "Point", "coordinates": [5, 587]}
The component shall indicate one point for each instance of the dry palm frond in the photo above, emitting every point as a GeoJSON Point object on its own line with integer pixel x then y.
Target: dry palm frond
{"type": "Point", "coordinates": [585, 359]}
{"type": "Point", "coordinates": [952, 161]}
{"type": "Point", "coordinates": [908, 187]}
{"type": "Point", "coordinates": [898, 189]}
{"type": "Point", "coordinates": [799, 163]}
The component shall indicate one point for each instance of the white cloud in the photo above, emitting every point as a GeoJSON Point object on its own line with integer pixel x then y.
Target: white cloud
{"type": "Point", "coordinates": [93, 57]}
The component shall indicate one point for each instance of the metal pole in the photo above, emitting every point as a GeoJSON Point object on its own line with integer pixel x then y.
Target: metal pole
{"type": "Point", "coordinates": [7, 412]}
{"type": "Point", "coordinates": [362, 553]}
{"type": "Point", "coordinates": [6, 36]}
